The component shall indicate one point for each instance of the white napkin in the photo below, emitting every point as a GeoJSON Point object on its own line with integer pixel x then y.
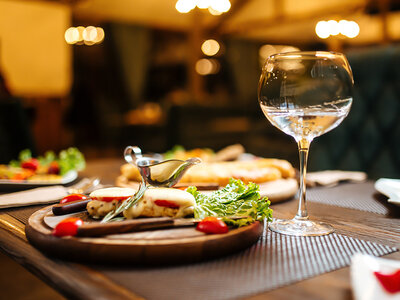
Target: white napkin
{"type": "Point", "coordinates": [365, 285]}
{"type": "Point", "coordinates": [331, 178]}
{"type": "Point", "coordinates": [40, 195]}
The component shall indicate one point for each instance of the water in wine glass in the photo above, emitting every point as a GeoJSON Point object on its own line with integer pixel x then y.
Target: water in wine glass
{"type": "Point", "coordinates": [308, 122]}
{"type": "Point", "coordinates": [305, 94]}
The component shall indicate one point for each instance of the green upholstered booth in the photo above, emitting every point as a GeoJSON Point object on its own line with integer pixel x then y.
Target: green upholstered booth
{"type": "Point", "coordinates": [369, 138]}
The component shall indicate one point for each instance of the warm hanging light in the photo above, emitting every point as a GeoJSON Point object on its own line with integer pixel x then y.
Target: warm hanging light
{"type": "Point", "coordinates": [215, 7]}
{"type": "Point", "coordinates": [214, 12]}
{"type": "Point", "coordinates": [324, 29]}
{"type": "Point", "coordinates": [184, 6]}
{"type": "Point", "coordinates": [207, 66]}
{"type": "Point", "coordinates": [210, 47]}
{"type": "Point", "coordinates": [100, 35]}
{"type": "Point", "coordinates": [203, 4]}
{"type": "Point", "coordinates": [84, 35]}
{"type": "Point", "coordinates": [89, 34]}
{"type": "Point", "coordinates": [71, 35]}
{"type": "Point", "coordinates": [352, 29]}
{"type": "Point", "coordinates": [333, 27]}
{"type": "Point", "coordinates": [221, 5]}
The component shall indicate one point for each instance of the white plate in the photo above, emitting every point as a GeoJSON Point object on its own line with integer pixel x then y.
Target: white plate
{"type": "Point", "coordinates": [67, 178]}
{"type": "Point", "coordinates": [390, 188]}
{"type": "Point", "coordinates": [365, 285]}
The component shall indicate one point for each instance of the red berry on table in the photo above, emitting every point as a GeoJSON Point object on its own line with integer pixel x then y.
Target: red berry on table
{"type": "Point", "coordinates": [67, 227]}
{"type": "Point", "coordinates": [212, 225]}
{"type": "Point", "coordinates": [73, 197]}
{"type": "Point", "coordinates": [31, 164]}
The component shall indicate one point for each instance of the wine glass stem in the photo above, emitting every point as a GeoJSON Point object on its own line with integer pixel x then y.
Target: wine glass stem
{"type": "Point", "coordinates": [304, 146]}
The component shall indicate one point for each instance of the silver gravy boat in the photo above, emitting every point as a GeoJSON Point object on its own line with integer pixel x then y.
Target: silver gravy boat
{"type": "Point", "coordinates": [158, 172]}
{"type": "Point", "coordinates": [154, 171]}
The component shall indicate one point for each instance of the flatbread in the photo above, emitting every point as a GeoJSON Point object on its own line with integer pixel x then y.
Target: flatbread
{"type": "Point", "coordinates": [257, 171]}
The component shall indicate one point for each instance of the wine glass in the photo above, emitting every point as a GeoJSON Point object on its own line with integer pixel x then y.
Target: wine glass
{"type": "Point", "coordinates": [305, 94]}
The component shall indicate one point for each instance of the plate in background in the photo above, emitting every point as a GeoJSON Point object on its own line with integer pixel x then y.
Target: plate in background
{"type": "Point", "coordinates": [389, 188]}
{"type": "Point", "coordinates": [10, 185]}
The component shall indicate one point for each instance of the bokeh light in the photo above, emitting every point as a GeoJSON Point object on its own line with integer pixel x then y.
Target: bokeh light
{"type": "Point", "coordinates": [71, 35]}
{"type": "Point", "coordinates": [267, 50]}
{"type": "Point", "coordinates": [333, 27]}
{"type": "Point", "coordinates": [221, 5]}
{"type": "Point", "coordinates": [322, 29]}
{"type": "Point", "coordinates": [352, 29]}
{"type": "Point", "coordinates": [206, 66]}
{"type": "Point", "coordinates": [100, 35]}
{"type": "Point", "coordinates": [210, 47]}
{"type": "Point", "coordinates": [349, 29]}
{"type": "Point", "coordinates": [203, 4]}
{"type": "Point", "coordinates": [84, 35]}
{"type": "Point", "coordinates": [184, 6]}
{"type": "Point", "coordinates": [80, 30]}
{"type": "Point", "coordinates": [215, 7]}
{"type": "Point", "coordinates": [89, 34]}
{"type": "Point", "coordinates": [214, 12]}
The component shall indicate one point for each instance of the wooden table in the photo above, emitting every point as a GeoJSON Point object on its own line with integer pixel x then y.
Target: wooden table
{"type": "Point", "coordinates": [81, 281]}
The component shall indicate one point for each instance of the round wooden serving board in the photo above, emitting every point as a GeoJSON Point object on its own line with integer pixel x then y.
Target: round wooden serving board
{"type": "Point", "coordinates": [153, 247]}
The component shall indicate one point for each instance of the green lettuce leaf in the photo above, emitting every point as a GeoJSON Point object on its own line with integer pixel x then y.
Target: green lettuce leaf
{"type": "Point", "coordinates": [71, 159]}
{"type": "Point", "coordinates": [235, 200]}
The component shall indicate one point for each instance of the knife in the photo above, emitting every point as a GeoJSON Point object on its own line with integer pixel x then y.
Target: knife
{"type": "Point", "coordinates": [101, 229]}
{"type": "Point", "coordinates": [97, 229]}
{"type": "Point", "coordinates": [70, 207]}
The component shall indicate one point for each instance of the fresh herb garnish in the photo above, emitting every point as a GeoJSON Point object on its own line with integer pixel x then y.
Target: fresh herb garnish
{"type": "Point", "coordinates": [128, 203]}
{"type": "Point", "coordinates": [235, 200]}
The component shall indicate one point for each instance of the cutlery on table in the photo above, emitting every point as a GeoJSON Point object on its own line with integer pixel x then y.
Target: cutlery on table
{"type": "Point", "coordinates": [48, 194]}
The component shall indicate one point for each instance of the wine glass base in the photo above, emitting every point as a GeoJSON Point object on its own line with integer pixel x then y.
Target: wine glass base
{"type": "Point", "coordinates": [300, 227]}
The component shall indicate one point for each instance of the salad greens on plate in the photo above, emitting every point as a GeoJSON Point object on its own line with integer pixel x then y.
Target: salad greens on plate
{"type": "Point", "coordinates": [234, 200]}
{"type": "Point", "coordinates": [67, 160]}
{"type": "Point", "coordinates": [50, 168]}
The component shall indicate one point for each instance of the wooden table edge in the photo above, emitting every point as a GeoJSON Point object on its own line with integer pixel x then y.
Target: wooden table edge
{"type": "Point", "coordinates": [53, 272]}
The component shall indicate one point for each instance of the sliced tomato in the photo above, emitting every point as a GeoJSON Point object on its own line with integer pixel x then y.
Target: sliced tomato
{"type": "Point", "coordinates": [31, 164]}
{"type": "Point", "coordinates": [73, 197]}
{"type": "Point", "coordinates": [212, 225]}
{"type": "Point", "coordinates": [166, 203]}
{"type": "Point", "coordinates": [67, 227]}
{"type": "Point", "coordinates": [110, 199]}
{"type": "Point", "coordinates": [390, 282]}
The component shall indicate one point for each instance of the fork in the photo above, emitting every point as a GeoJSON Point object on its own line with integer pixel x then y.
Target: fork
{"type": "Point", "coordinates": [84, 186]}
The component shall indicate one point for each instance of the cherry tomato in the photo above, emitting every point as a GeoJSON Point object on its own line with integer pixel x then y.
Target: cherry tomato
{"type": "Point", "coordinates": [166, 203]}
{"type": "Point", "coordinates": [54, 168]}
{"type": "Point", "coordinates": [391, 282]}
{"type": "Point", "coordinates": [67, 227]}
{"type": "Point", "coordinates": [212, 225]}
{"type": "Point", "coordinates": [31, 164]}
{"type": "Point", "coordinates": [73, 197]}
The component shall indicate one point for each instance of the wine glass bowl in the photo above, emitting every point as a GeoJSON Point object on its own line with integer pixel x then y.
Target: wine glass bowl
{"type": "Point", "coordinates": [305, 94]}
